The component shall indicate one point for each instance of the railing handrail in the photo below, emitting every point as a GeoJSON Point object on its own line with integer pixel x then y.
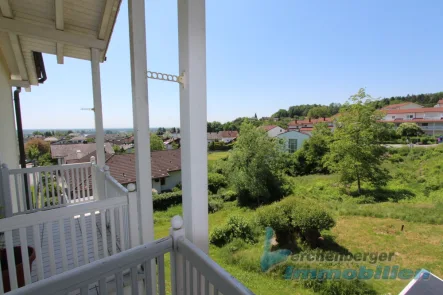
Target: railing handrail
{"type": "Point", "coordinates": [25, 220]}
{"type": "Point", "coordinates": [92, 272]}
{"type": "Point", "coordinates": [219, 277]}
{"type": "Point", "coordinates": [49, 168]}
{"type": "Point", "coordinates": [111, 180]}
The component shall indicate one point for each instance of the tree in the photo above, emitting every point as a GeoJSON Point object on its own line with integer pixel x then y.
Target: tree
{"type": "Point", "coordinates": [311, 158]}
{"type": "Point", "coordinates": [355, 151]}
{"type": "Point", "coordinates": [214, 126]}
{"type": "Point", "coordinates": [409, 129]}
{"type": "Point", "coordinates": [160, 131]}
{"type": "Point", "coordinates": [255, 116]}
{"type": "Point", "coordinates": [167, 135]}
{"type": "Point", "coordinates": [36, 147]}
{"type": "Point", "coordinates": [319, 112]}
{"type": "Point", "coordinates": [49, 133]}
{"type": "Point", "coordinates": [255, 167]}
{"type": "Point", "coordinates": [173, 130]}
{"type": "Point", "coordinates": [156, 143]}
{"type": "Point", "coordinates": [281, 113]}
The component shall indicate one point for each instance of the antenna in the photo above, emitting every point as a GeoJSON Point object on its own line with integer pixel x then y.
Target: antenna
{"type": "Point", "coordinates": [87, 109]}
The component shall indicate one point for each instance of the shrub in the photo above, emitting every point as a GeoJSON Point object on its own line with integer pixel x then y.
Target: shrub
{"type": "Point", "coordinates": [228, 195]}
{"type": "Point", "coordinates": [215, 182]}
{"type": "Point", "coordinates": [235, 227]}
{"type": "Point", "coordinates": [166, 200]}
{"type": "Point", "coordinates": [293, 218]}
{"type": "Point", "coordinates": [339, 287]}
{"type": "Point", "coordinates": [214, 204]}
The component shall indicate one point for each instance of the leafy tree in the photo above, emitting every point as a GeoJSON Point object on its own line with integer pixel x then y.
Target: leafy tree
{"type": "Point", "coordinates": [319, 112]}
{"type": "Point", "coordinates": [173, 130]}
{"type": "Point", "coordinates": [311, 158]}
{"type": "Point", "coordinates": [36, 147]}
{"type": "Point", "coordinates": [214, 126]}
{"type": "Point", "coordinates": [156, 143]}
{"type": "Point", "coordinates": [255, 116]}
{"type": "Point", "coordinates": [70, 131]}
{"type": "Point", "coordinates": [167, 135]}
{"type": "Point", "coordinates": [355, 152]}
{"type": "Point", "coordinates": [109, 132]}
{"type": "Point", "coordinates": [409, 129]}
{"type": "Point", "coordinates": [178, 130]}
{"type": "Point", "coordinates": [49, 133]}
{"type": "Point", "coordinates": [255, 167]}
{"type": "Point", "coordinates": [160, 131]}
{"type": "Point", "coordinates": [281, 113]}
{"type": "Point", "coordinates": [37, 133]}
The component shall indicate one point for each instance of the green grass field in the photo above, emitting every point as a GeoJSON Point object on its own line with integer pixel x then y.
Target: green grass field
{"type": "Point", "coordinates": [412, 200]}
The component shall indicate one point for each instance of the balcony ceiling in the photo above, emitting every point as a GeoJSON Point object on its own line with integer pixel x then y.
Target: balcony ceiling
{"type": "Point", "coordinates": [60, 27]}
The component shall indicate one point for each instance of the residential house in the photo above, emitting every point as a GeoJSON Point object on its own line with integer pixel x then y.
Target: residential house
{"type": "Point", "coordinates": [429, 119]}
{"type": "Point", "coordinates": [171, 142]}
{"type": "Point", "coordinates": [213, 137]}
{"type": "Point", "coordinates": [273, 130]}
{"type": "Point", "coordinates": [439, 104]}
{"type": "Point", "coordinates": [293, 140]}
{"type": "Point", "coordinates": [228, 136]}
{"type": "Point", "coordinates": [78, 139]}
{"type": "Point", "coordinates": [51, 139]}
{"type": "Point", "coordinates": [69, 153]}
{"type": "Point", "coordinates": [307, 125]}
{"type": "Point", "coordinates": [402, 106]}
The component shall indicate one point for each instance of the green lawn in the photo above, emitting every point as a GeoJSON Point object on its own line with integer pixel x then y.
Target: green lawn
{"type": "Point", "coordinates": [369, 223]}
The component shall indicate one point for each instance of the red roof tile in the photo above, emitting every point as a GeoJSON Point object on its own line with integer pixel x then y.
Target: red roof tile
{"type": "Point", "coordinates": [228, 133]}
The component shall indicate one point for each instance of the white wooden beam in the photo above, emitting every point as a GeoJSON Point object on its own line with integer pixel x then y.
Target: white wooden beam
{"type": "Point", "coordinates": [106, 17]}
{"type": "Point", "coordinates": [98, 114]}
{"type": "Point", "coordinates": [140, 109]}
{"type": "Point", "coordinates": [192, 62]}
{"type": "Point", "coordinates": [18, 83]}
{"type": "Point", "coordinates": [50, 34]}
{"type": "Point", "coordinates": [16, 47]}
{"type": "Point", "coordinates": [60, 54]}
{"type": "Point", "coordinates": [59, 25]}
{"type": "Point", "coordinates": [6, 9]}
{"type": "Point", "coordinates": [59, 17]}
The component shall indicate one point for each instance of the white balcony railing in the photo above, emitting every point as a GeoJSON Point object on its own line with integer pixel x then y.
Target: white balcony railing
{"type": "Point", "coordinates": [141, 270]}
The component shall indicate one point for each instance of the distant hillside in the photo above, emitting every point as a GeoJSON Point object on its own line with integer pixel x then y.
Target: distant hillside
{"type": "Point", "coordinates": [427, 99]}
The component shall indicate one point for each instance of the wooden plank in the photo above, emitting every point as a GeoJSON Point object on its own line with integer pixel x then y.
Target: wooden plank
{"type": "Point", "coordinates": [18, 53]}
{"type": "Point", "coordinates": [119, 282]}
{"type": "Point", "coordinates": [61, 225]}
{"type": "Point", "coordinates": [106, 17]}
{"type": "Point", "coordinates": [47, 168]}
{"type": "Point", "coordinates": [59, 16]}
{"type": "Point", "coordinates": [104, 235]}
{"type": "Point", "coordinates": [25, 254]}
{"type": "Point", "coordinates": [49, 228]}
{"type": "Point", "coordinates": [6, 9]}
{"type": "Point", "coordinates": [51, 34]}
{"type": "Point", "coordinates": [60, 53]}
{"type": "Point", "coordinates": [11, 260]}
{"type": "Point", "coordinates": [161, 275]}
{"type": "Point", "coordinates": [38, 251]}
{"type": "Point", "coordinates": [73, 241]}
{"type": "Point", "coordinates": [122, 230]}
{"type": "Point", "coordinates": [84, 239]}
{"type": "Point", "coordinates": [112, 225]}
{"type": "Point", "coordinates": [94, 235]}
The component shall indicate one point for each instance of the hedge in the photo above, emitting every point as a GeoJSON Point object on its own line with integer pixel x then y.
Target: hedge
{"type": "Point", "coordinates": [165, 200]}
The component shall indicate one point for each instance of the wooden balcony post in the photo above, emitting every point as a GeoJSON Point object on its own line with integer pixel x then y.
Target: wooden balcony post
{"type": "Point", "coordinates": [192, 64]}
{"type": "Point", "coordinates": [98, 115]}
{"type": "Point", "coordinates": [140, 106]}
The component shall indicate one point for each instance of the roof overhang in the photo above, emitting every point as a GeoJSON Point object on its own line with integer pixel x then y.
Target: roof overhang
{"type": "Point", "coordinates": [60, 27]}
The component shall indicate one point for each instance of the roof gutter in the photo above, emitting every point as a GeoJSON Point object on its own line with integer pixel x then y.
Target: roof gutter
{"type": "Point", "coordinates": [40, 67]}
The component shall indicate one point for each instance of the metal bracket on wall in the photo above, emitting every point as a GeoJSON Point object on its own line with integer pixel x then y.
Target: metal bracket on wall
{"type": "Point", "coordinates": [166, 77]}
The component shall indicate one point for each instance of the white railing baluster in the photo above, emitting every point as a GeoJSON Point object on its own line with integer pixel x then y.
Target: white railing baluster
{"type": "Point", "coordinates": [206, 286]}
{"type": "Point", "coordinates": [48, 199]}
{"type": "Point", "coordinates": [134, 280]}
{"type": "Point", "coordinates": [28, 185]}
{"type": "Point", "coordinates": [84, 290]}
{"type": "Point", "coordinates": [11, 260]}
{"type": "Point", "coordinates": [51, 179]}
{"type": "Point", "coordinates": [80, 183]}
{"type": "Point", "coordinates": [49, 226]}
{"type": "Point", "coordinates": [94, 235]}
{"type": "Point", "coordinates": [119, 282]}
{"type": "Point", "coordinates": [102, 286]}
{"type": "Point", "coordinates": [60, 191]}
{"type": "Point", "coordinates": [148, 277]}
{"type": "Point", "coordinates": [65, 187]}
{"type": "Point", "coordinates": [84, 239]}
{"type": "Point", "coordinates": [161, 275]}
{"type": "Point", "coordinates": [112, 225]}
{"type": "Point", "coordinates": [25, 255]}
{"type": "Point", "coordinates": [38, 251]}
{"type": "Point", "coordinates": [83, 185]}
{"type": "Point", "coordinates": [73, 241]}
{"type": "Point", "coordinates": [1, 280]}
{"type": "Point", "coordinates": [35, 185]}
{"type": "Point", "coordinates": [199, 284]}
{"type": "Point", "coordinates": [104, 233]}
{"type": "Point", "coordinates": [42, 196]}
{"type": "Point", "coordinates": [61, 225]}
{"type": "Point", "coordinates": [77, 184]}
{"type": "Point", "coordinates": [19, 198]}
{"type": "Point", "coordinates": [191, 278]}
{"type": "Point", "coordinates": [121, 229]}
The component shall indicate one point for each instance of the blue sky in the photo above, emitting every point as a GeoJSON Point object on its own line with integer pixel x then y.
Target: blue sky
{"type": "Point", "coordinates": [261, 56]}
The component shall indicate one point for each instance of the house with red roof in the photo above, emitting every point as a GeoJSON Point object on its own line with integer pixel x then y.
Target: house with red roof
{"type": "Point", "coordinates": [307, 125]}
{"type": "Point", "coordinates": [273, 130]}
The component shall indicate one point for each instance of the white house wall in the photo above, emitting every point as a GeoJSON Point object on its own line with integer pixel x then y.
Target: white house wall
{"type": "Point", "coordinates": [275, 131]}
{"type": "Point", "coordinates": [171, 181]}
{"type": "Point", "coordinates": [8, 137]}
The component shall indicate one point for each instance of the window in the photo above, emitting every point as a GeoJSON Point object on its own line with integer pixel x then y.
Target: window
{"type": "Point", "coordinates": [162, 181]}
{"type": "Point", "coordinates": [424, 124]}
{"type": "Point", "coordinates": [409, 116]}
{"type": "Point", "coordinates": [292, 145]}
{"type": "Point", "coordinates": [393, 117]}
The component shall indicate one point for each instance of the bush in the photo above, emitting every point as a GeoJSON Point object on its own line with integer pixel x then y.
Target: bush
{"type": "Point", "coordinates": [293, 218]}
{"type": "Point", "coordinates": [235, 227]}
{"type": "Point", "coordinates": [215, 182]}
{"type": "Point", "coordinates": [166, 200]}
{"type": "Point", "coordinates": [214, 204]}
{"type": "Point", "coordinates": [339, 287]}
{"type": "Point", "coordinates": [220, 146]}
{"type": "Point", "coordinates": [228, 195]}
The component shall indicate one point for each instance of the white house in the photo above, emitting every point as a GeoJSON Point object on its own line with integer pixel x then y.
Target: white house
{"type": "Point", "coordinates": [228, 136]}
{"type": "Point", "coordinates": [273, 130]}
{"type": "Point", "coordinates": [293, 140]}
